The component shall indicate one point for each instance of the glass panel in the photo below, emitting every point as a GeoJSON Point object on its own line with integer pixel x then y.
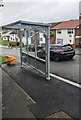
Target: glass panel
{"type": "Point", "coordinates": [41, 45]}
{"type": "Point", "coordinates": [23, 41]}
{"type": "Point", "coordinates": [31, 43]}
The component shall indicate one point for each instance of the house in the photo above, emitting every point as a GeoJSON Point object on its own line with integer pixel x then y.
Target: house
{"type": "Point", "coordinates": [67, 32]}
{"type": "Point", "coordinates": [53, 39]}
{"type": "Point", "coordinates": [9, 35]}
{"type": "Point", "coordinates": [4, 35]}
{"type": "Point", "coordinates": [13, 36]}
{"type": "Point", "coordinates": [39, 37]}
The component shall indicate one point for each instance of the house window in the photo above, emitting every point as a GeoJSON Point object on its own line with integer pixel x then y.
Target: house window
{"type": "Point", "coordinates": [41, 39]}
{"type": "Point", "coordinates": [60, 41]}
{"type": "Point", "coordinates": [70, 35]}
{"type": "Point", "coordinates": [59, 31]}
{"type": "Point", "coordinates": [70, 41]}
{"type": "Point", "coordinates": [70, 31]}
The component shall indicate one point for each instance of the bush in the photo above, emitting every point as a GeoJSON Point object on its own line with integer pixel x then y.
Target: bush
{"type": "Point", "coordinates": [5, 42]}
{"type": "Point", "coordinates": [3, 59]}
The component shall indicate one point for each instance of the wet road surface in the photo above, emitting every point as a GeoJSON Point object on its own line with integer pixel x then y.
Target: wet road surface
{"type": "Point", "coordinates": [67, 69]}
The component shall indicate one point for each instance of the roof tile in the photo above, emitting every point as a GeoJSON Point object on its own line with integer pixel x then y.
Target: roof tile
{"type": "Point", "coordinates": [68, 24]}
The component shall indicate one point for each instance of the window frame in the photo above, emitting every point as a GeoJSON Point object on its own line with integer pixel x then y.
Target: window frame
{"type": "Point", "coordinates": [59, 31]}
{"type": "Point", "coordinates": [70, 31]}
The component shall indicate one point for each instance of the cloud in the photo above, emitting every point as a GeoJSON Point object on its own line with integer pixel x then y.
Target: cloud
{"type": "Point", "coordinates": [13, 10]}
{"type": "Point", "coordinates": [53, 11]}
{"type": "Point", "coordinates": [41, 0]}
{"type": "Point", "coordinates": [40, 11]}
{"type": "Point", "coordinates": [80, 8]}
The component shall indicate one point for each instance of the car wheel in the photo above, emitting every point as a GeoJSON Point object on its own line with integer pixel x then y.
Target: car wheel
{"type": "Point", "coordinates": [56, 57]}
{"type": "Point", "coordinates": [71, 57]}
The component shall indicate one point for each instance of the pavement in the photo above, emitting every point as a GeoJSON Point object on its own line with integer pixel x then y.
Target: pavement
{"type": "Point", "coordinates": [0, 93]}
{"type": "Point", "coordinates": [78, 51]}
{"type": "Point", "coordinates": [48, 98]}
{"type": "Point", "coordinates": [14, 100]}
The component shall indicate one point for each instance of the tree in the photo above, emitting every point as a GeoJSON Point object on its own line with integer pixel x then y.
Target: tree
{"type": "Point", "coordinates": [51, 34]}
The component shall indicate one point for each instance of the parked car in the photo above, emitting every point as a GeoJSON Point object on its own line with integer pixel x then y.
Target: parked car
{"type": "Point", "coordinates": [32, 47]}
{"type": "Point", "coordinates": [58, 52]}
{"type": "Point", "coordinates": [79, 44]}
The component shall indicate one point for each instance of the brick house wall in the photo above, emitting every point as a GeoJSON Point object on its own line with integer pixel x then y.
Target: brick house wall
{"type": "Point", "coordinates": [78, 35]}
{"type": "Point", "coordinates": [53, 39]}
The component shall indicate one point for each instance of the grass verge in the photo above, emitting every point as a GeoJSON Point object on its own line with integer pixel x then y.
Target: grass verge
{"type": "Point", "coordinates": [4, 42]}
{"type": "Point", "coordinates": [2, 59]}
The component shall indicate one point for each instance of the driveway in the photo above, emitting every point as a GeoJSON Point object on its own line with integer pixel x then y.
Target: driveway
{"type": "Point", "coordinates": [67, 69]}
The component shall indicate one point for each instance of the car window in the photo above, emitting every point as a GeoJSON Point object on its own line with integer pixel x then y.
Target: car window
{"type": "Point", "coordinates": [43, 49]}
{"type": "Point", "coordinates": [55, 48]}
{"type": "Point", "coordinates": [66, 48]}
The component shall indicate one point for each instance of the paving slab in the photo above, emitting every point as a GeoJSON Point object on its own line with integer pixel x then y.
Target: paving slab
{"type": "Point", "coordinates": [14, 100]}
{"type": "Point", "coordinates": [78, 51]}
{"type": "Point", "coordinates": [50, 96]}
{"type": "Point", "coordinates": [0, 93]}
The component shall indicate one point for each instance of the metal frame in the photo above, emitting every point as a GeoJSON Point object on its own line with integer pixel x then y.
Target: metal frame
{"type": "Point", "coordinates": [27, 26]}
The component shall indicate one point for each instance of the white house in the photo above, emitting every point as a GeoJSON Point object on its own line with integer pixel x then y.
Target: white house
{"type": "Point", "coordinates": [66, 32]}
{"type": "Point", "coordinates": [64, 36]}
{"type": "Point", "coordinates": [9, 35]}
{"type": "Point", "coordinates": [13, 36]}
{"type": "Point", "coordinates": [4, 35]}
{"type": "Point", "coordinates": [39, 36]}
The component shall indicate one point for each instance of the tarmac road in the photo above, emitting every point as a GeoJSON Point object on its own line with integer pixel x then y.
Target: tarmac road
{"type": "Point", "coordinates": [55, 95]}
{"type": "Point", "coordinates": [67, 69]}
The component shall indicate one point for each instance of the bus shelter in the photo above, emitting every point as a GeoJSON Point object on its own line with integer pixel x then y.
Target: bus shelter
{"type": "Point", "coordinates": [31, 30]}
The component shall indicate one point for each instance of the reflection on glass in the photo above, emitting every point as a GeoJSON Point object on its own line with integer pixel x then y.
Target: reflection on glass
{"type": "Point", "coordinates": [35, 44]}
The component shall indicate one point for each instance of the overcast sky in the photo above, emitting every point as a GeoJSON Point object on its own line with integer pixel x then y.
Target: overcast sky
{"type": "Point", "coordinates": [44, 11]}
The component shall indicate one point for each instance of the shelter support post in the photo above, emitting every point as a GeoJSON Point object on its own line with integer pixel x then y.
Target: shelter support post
{"type": "Point", "coordinates": [27, 47]}
{"type": "Point", "coordinates": [35, 43]}
{"type": "Point", "coordinates": [20, 37]}
{"type": "Point", "coordinates": [48, 54]}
